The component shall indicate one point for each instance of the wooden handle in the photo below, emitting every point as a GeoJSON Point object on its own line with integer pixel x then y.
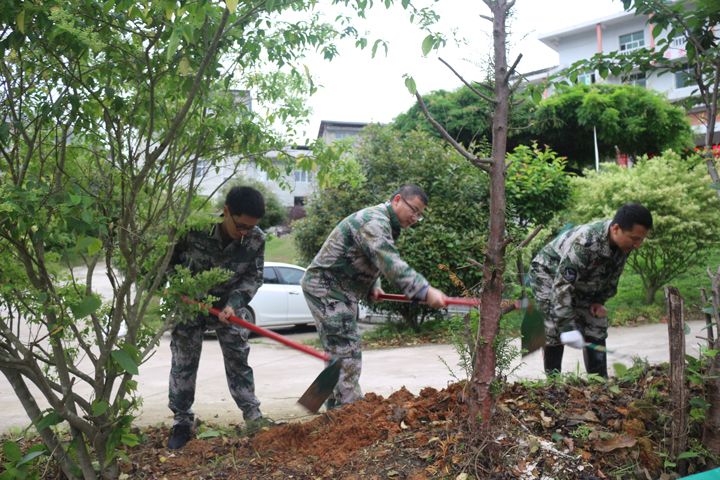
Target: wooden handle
{"type": "Point", "coordinates": [265, 333]}
{"type": "Point", "coordinates": [470, 302]}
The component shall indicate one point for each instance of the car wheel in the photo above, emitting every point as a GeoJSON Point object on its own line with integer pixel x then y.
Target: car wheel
{"type": "Point", "coordinates": [246, 314]}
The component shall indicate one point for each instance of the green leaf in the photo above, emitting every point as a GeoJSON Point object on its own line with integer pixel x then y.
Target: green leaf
{"type": "Point", "coordinates": [130, 439]}
{"type": "Point", "coordinates": [428, 44]}
{"type": "Point", "coordinates": [689, 454]}
{"type": "Point", "coordinates": [12, 451]}
{"type": "Point", "coordinates": [173, 45]}
{"type": "Point", "coordinates": [125, 361]}
{"type": "Point", "coordinates": [99, 407]}
{"type": "Point", "coordinates": [20, 21]}
{"type": "Point", "coordinates": [35, 452]}
{"type": "Point", "coordinates": [410, 85]}
{"type": "Point", "coordinates": [231, 5]}
{"type": "Point", "coordinates": [89, 245]}
{"type": "Point", "coordinates": [88, 306]}
{"type": "Point", "coordinates": [209, 434]}
{"type": "Point", "coordinates": [715, 185]}
{"type": "Point", "coordinates": [405, 3]}
{"type": "Point", "coordinates": [52, 418]}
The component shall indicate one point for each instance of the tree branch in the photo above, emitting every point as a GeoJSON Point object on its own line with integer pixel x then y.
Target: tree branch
{"type": "Point", "coordinates": [512, 69]}
{"type": "Point", "coordinates": [482, 163]}
{"type": "Point", "coordinates": [472, 89]}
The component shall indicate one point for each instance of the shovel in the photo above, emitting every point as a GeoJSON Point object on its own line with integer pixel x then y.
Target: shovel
{"type": "Point", "coordinates": [324, 384]}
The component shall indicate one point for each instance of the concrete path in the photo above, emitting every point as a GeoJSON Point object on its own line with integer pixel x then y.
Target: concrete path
{"type": "Point", "coordinates": [282, 374]}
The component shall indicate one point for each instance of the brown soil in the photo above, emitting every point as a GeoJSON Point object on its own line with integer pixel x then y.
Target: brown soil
{"type": "Point", "coordinates": [569, 430]}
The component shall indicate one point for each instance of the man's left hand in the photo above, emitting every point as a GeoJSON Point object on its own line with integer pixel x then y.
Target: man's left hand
{"type": "Point", "coordinates": [598, 311]}
{"type": "Point", "coordinates": [375, 294]}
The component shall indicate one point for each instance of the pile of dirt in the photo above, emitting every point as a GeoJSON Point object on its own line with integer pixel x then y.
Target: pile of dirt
{"type": "Point", "coordinates": [567, 429]}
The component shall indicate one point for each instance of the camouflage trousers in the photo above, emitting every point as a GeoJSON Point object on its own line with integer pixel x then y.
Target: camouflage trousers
{"type": "Point", "coordinates": [592, 328]}
{"type": "Point", "coordinates": [186, 346]}
{"type": "Point", "coordinates": [336, 322]}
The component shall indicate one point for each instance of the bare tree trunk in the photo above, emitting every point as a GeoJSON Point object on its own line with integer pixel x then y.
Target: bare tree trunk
{"type": "Point", "coordinates": [493, 265]}
{"type": "Point", "coordinates": [711, 428]}
{"type": "Point", "coordinates": [676, 334]}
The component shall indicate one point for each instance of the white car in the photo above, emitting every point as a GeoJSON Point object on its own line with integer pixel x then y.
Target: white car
{"type": "Point", "coordinates": [280, 300]}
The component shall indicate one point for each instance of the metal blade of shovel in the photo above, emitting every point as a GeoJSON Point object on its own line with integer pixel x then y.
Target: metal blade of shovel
{"type": "Point", "coordinates": [532, 330]}
{"type": "Point", "coordinates": [324, 384]}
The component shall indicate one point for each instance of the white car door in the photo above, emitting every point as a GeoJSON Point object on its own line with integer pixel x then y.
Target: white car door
{"type": "Point", "coordinates": [298, 311]}
{"type": "Point", "coordinates": [270, 303]}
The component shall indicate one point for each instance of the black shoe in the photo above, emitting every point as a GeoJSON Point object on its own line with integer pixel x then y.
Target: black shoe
{"type": "Point", "coordinates": [552, 359]}
{"type": "Point", "coordinates": [181, 434]}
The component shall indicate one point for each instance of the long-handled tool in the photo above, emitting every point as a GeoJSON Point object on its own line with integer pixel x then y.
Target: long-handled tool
{"type": "Point", "coordinates": [470, 302]}
{"type": "Point", "coordinates": [324, 384]}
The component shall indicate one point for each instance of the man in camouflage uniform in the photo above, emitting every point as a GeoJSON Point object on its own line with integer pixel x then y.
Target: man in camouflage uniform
{"type": "Point", "coordinates": [347, 269]}
{"type": "Point", "coordinates": [238, 245]}
{"type": "Point", "coordinates": [575, 274]}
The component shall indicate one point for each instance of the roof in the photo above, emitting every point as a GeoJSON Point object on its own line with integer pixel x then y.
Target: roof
{"type": "Point", "coordinates": [325, 124]}
{"type": "Point", "coordinates": [551, 39]}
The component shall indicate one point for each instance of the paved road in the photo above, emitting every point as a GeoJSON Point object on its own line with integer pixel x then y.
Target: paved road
{"type": "Point", "coordinates": [282, 374]}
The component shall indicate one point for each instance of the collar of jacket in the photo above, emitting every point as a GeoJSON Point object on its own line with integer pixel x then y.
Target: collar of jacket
{"type": "Point", "coordinates": [607, 249]}
{"type": "Point", "coordinates": [394, 221]}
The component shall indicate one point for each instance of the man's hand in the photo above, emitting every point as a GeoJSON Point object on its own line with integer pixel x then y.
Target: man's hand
{"type": "Point", "coordinates": [375, 294]}
{"type": "Point", "coordinates": [225, 314]}
{"type": "Point", "coordinates": [573, 339]}
{"type": "Point", "coordinates": [435, 298]}
{"type": "Point", "coordinates": [598, 311]}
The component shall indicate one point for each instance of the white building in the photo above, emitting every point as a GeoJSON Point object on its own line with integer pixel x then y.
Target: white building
{"type": "Point", "coordinates": [291, 189]}
{"type": "Point", "coordinates": [623, 32]}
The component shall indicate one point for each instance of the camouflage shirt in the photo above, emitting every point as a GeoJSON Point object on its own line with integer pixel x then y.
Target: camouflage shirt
{"type": "Point", "coordinates": [200, 251]}
{"type": "Point", "coordinates": [578, 268]}
{"type": "Point", "coordinates": [358, 250]}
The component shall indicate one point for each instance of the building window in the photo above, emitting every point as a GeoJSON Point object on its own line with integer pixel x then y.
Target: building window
{"type": "Point", "coordinates": [637, 79]}
{"type": "Point", "coordinates": [586, 79]}
{"type": "Point", "coordinates": [632, 41]}
{"type": "Point", "coordinates": [302, 176]}
{"type": "Point", "coordinates": [684, 78]}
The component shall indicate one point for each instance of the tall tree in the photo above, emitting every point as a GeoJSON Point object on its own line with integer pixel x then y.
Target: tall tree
{"type": "Point", "coordinates": [636, 120]}
{"type": "Point", "coordinates": [111, 113]}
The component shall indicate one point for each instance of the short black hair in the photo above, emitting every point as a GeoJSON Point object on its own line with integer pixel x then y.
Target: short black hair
{"type": "Point", "coordinates": [632, 214]}
{"type": "Point", "coordinates": [245, 200]}
{"type": "Point", "coordinates": [409, 191]}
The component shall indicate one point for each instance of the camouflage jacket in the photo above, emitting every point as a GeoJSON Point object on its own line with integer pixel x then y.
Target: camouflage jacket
{"type": "Point", "coordinates": [578, 268]}
{"type": "Point", "coordinates": [200, 251]}
{"type": "Point", "coordinates": [358, 250]}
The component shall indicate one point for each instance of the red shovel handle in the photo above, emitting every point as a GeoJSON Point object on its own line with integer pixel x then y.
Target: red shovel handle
{"type": "Point", "coordinates": [471, 302]}
{"type": "Point", "coordinates": [264, 332]}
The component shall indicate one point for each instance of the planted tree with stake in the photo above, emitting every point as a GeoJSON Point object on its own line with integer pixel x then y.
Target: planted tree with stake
{"type": "Point", "coordinates": [481, 402]}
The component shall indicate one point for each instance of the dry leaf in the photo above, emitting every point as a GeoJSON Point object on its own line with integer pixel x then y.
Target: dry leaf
{"type": "Point", "coordinates": [619, 441]}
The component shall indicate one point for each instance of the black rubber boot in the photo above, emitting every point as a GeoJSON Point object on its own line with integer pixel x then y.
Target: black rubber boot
{"type": "Point", "coordinates": [595, 361]}
{"type": "Point", "coordinates": [181, 434]}
{"type": "Point", "coordinates": [552, 359]}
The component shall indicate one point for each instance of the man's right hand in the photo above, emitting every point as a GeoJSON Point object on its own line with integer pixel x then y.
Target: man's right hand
{"type": "Point", "coordinates": [435, 298]}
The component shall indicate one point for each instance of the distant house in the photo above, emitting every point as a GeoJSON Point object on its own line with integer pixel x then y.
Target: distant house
{"type": "Point", "coordinates": [622, 32]}
{"type": "Point", "coordinates": [292, 189]}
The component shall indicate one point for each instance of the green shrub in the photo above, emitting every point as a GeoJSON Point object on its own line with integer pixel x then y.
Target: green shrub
{"type": "Point", "coordinates": [684, 207]}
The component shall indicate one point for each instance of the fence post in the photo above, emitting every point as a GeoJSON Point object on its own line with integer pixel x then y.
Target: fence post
{"type": "Point", "coordinates": [676, 335]}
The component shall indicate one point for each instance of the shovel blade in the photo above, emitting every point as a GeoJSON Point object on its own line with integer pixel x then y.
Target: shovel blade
{"type": "Point", "coordinates": [322, 387]}
{"type": "Point", "coordinates": [532, 330]}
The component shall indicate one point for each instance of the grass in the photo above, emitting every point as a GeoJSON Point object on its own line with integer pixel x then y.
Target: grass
{"type": "Point", "coordinates": [281, 249]}
{"type": "Point", "coordinates": [627, 306]}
